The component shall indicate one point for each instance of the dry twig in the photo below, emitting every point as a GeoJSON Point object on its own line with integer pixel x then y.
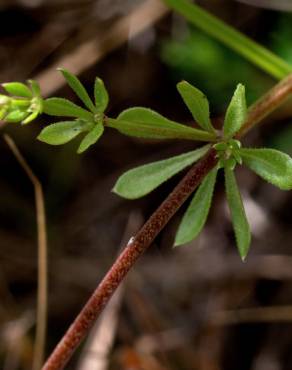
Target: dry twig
{"type": "Point", "coordinates": [42, 300]}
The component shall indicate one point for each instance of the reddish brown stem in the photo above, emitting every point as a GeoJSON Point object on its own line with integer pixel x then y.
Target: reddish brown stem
{"type": "Point", "coordinates": [138, 245]}
{"type": "Point", "coordinates": [135, 248]}
{"type": "Point", "coordinates": [267, 104]}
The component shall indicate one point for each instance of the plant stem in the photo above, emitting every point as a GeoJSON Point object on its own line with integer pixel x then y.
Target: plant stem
{"type": "Point", "coordinates": [42, 294]}
{"type": "Point", "coordinates": [235, 40]}
{"type": "Point", "coordinates": [134, 249]}
{"type": "Point", "coordinates": [139, 244]}
{"type": "Point", "coordinates": [266, 104]}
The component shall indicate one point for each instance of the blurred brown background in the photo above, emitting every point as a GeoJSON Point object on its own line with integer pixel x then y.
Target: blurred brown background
{"type": "Point", "coordinates": [194, 307]}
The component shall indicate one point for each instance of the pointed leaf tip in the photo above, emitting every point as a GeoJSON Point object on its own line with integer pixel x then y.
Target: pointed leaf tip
{"type": "Point", "coordinates": [196, 215]}
{"type": "Point", "coordinates": [270, 164]}
{"type": "Point", "coordinates": [100, 95]}
{"type": "Point", "coordinates": [91, 138]}
{"type": "Point", "coordinates": [75, 84]}
{"type": "Point", "coordinates": [236, 112]}
{"type": "Point", "coordinates": [237, 212]}
{"type": "Point", "coordinates": [197, 103]}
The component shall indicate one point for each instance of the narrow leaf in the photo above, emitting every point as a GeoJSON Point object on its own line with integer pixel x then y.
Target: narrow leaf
{"type": "Point", "coordinates": [146, 123]}
{"type": "Point", "coordinates": [4, 100]}
{"type": "Point", "coordinates": [236, 112]}
{"type": "Point", "coordinates": [196, 215]}
{"type": "Point", "coordinates": [238, 216]}
{"type": "Point", "coordinates": [35, 87]}
{"type": "Point", "coordinates": [21, 104]}
{"type": "Point", "coordinates": [100, 95]}
{"type": "Point", "coordinates": [272, 165]}
{"type": "Point", "coordinates": [197, 103]}
{"type": "Point", "coordinates": [63, 107]}
{"type": "Point", "coordinates": [142, 180]}
{"type": "Point", "coordinates": [62, 132]}
{"type": "Point", "coordinates": [30, 118]}
{"type": "Point", "coordinates": [78, 88]}
{"type": "Point", "coordinates": [17, 89]}
{"type": "Point", "coordinates": [91, 138]}
{"type": "Point", "coordinates": [15, 116]}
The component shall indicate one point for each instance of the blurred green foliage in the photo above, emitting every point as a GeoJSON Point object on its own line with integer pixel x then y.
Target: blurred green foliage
{"type": "Point", "coordinates": [281, 37]}
{"type": "Point", "coordinates": [212, 67]}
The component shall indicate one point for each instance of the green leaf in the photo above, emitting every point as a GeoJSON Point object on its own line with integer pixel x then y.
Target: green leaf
{"type": "Point", "coordinates": [62, 132]}
{"type": "Point", "coordinates": [17, 89]}
{"type": "Point", "coordinates": [196, 215]}
{"type": "Point", "coordinates": [3, 112]}
{"type": "Point", "coordinates": [35, 87]}
{"type": "Point", "coordinates": [236, 112]}
{"type": "Point", "coordinates": [238, 217]}
{"type": "Point", "coordinates": [4, 100]}
{"type": "Point", "coordinates": [15, 115]}
{"type": "Point", "coordinates": [100, 95]}
{"type": "Point", "coordinates": [146, 123]}
{"type": "Point", "coordinates": [142, 180]}
{"type": "Point", "coordinates": [63, 107]}
{"type": "Point", "coordinates": [197, 103]}
{"type": "Point", "coordinates": [272, 165]}
{"type": "Point", "coordinates": [30, 118]}
{"type": "Point", "coordinates": [91, 138]}
{"type": "Point", "coordinates": [78, 88]}
{"type": "Point", "coordinates": [21, 104]}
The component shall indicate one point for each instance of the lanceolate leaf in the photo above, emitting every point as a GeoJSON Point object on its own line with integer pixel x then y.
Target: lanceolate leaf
{"type": "Point", "coordinates": [65, 108]}
{"type": "Point", "coordinates": [196, 215]}
{"type": "Point", "coordinates": [17, 89]}
{"type": "Point", "coordinates": [35, 87]}
{"type": "Point", "coordinates": [272, 165]}
{"type": "Point", "coordinates": [143, 122]}
{"type": "Point", "coordinates": [142, 180]}
{"type": "Point", "coordinates": [238, 217]}
{"type": "Point", "coordinates": [62, 132]}
{"type": "Point", "coordinates": [197, 103]}
{"type": "Point", "coordinates": [236, 112]}
{"type": "Point", "coordinates": [91, 138]}
{"type": "Point", "coordinates": [16, 115]}
{"type": "Point", "coordinates": [30, 118]}
{"type": "Point", "coordinates": [78, 88]}
{"type": "Point", "coordinates": [100, 95]}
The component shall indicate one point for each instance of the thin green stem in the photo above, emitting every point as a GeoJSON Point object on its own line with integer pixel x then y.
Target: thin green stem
{"type": "Point", "coordinates": [235, 40]}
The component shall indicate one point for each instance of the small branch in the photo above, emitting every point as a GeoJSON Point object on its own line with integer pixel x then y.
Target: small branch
{"type": "Point", "coordinates": [139, 244]}
{"type": "Point", "coordinates": [41, 326]}
{"type": "Point", "coordinates": [267, 104]}
{"type": "Point", "coordinates": [134, 249]}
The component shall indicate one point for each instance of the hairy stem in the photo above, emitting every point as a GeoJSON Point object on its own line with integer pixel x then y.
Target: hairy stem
{"type": "Point", "coordinates": [267, 104]}
{"type": "Point", "coordinates": [134, 249]}
{"type": "Point", "coordinates": [139, 244]}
